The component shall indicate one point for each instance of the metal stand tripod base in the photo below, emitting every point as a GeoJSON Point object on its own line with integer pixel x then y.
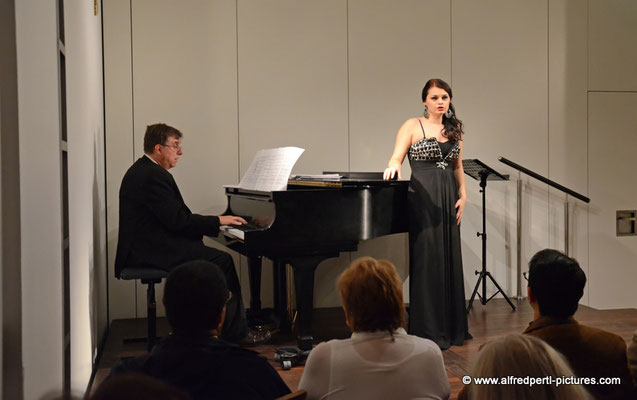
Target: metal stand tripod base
{"type": "Point", "coordinates": [484, 175]}
{"type": "Point", "coordinates": [483, 279]}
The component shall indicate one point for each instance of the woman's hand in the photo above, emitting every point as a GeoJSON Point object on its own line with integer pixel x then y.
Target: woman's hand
{"type": "Point", "coordinates": [460, 208]}
{"type": "Point", "coordinates": [390, 172]}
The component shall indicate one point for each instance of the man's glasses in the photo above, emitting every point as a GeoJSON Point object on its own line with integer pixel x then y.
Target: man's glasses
{"type": "Point", "coordinates": [174, 146]}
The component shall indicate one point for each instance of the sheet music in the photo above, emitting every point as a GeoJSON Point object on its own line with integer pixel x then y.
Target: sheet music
{"type": "Point", "coordinates": [333, 177]}
{"type": "Point", "coordinates": [271, 169]}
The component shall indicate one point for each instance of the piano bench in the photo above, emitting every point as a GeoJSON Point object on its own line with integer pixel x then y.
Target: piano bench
{"type": "Point", "coordinates": [148, 277]}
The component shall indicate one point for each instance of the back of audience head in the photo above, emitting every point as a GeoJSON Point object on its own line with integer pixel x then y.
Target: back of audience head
{"type": "Point", "coordinates": [134, 386]}
{"type": "Point", "coordinates": [521, 355]}
{"type": "Point", "coordinates": [372, 296]}
{"type": "Point", "coordinates": [195, 297]}
{"type": "Point", "coordinates": [556, 283]}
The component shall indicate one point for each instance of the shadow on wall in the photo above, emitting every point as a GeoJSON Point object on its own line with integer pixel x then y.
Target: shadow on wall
{"type": "Point", "coordinates": [98, 278]}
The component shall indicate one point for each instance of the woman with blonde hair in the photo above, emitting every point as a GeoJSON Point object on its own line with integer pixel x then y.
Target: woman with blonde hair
{"type": "Point", "coordinates": [512, 359]}
{"type": "Point", "coordinates": [380, 360]}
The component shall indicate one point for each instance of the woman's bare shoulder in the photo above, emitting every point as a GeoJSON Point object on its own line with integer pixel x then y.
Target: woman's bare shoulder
{"type": "Point", "coordinates": [411, 124]}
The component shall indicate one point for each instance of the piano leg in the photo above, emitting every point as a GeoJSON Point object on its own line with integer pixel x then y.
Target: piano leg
{"type": "Point", "coordinates": [254, 275]}
{"type": "Point", "coordinates": [304, 268]}
{"type": "Point", "coordinates": [281, 295]}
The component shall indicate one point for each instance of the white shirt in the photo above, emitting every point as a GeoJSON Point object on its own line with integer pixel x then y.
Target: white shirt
{"type": "Point", "coordinates": [370, 366]}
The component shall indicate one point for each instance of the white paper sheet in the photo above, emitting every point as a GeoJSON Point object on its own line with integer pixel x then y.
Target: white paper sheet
{"type": "Point", "coordinates": [271, 169]}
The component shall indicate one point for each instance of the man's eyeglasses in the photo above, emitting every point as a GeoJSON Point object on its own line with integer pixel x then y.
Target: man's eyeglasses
{"type": "Point", "coordinates": [174, 146]}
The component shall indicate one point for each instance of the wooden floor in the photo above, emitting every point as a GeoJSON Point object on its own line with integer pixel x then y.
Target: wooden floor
{"type": "Point", "coordinates": [485, 323]}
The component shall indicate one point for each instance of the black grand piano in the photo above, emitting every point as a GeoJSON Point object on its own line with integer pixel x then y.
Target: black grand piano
{"type": "Point", "coordinates": [311, 221]}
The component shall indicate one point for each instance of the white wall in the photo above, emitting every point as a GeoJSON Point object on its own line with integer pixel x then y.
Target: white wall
{"type": "Point", "coordinates": [612, 97]}
{"type": "Point", "coordinates": [613, 259]}
{"type": "Point", "coordinates": [499, 75]}
{"type": "Point", "coordinates": [120, 149]}
{"type": "Point", "coordinates": [339, 77]}
{"type": "Point", "coordinates": [86, 187]}
{"type": "Point", "coordinates": [568, 134]}
{"type": "Point", "coordinates": [41, 227]}
{"type": "Point", "coordinates": [40, 185]}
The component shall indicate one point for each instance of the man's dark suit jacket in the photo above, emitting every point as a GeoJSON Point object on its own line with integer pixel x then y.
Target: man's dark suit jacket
{"type": "Point", "coordinates": [590, 352]}
{"type": "Point", "coordinates": [156, 228]}
{"type": "Point", "coordinates": [208, 368]}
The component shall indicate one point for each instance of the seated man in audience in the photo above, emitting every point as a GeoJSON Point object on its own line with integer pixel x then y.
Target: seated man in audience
{"type": "Point", "coordinates": [193, 358]}
{"type": "Point", "coordinates": [157, 229]}
{"type": "Point", "coordinates": [380, 360]}
{"type": "Point", "coordinates": [556, 284]}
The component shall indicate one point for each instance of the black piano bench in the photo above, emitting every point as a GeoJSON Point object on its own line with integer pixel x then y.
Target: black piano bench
{"type": "Point", "coordinates": [150, 277]}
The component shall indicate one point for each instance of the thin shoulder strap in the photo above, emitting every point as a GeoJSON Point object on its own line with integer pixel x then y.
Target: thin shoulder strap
{"type": "Point", "coordinates": [423, 129]}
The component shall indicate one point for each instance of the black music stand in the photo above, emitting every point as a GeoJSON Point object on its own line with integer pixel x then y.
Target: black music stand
{"type": "Point", "coordinates": [482, 172]}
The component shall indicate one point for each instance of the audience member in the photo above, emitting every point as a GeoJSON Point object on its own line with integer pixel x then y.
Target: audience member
{"type": "Point", "coordinates": [380, 360]}
{"type": "Point", "coordinates": [193, 358]}
{"type": "Point", "coordinates": [134, 386]}
{"type": "Point", "coordinates": [556, 284]}
{"type": "Point", "coordinates": [521, 356]}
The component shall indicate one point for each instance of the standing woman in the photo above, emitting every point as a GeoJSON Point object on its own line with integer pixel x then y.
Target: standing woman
{"type": "Point", "coordinates": [436, 198]}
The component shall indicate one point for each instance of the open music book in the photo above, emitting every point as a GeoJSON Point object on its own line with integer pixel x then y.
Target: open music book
{"type": "Point", "coordinates": [271, 169]}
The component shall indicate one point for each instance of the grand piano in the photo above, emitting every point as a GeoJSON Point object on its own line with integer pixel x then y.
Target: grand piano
{"type": "Point", "coordinates": [311, 221]}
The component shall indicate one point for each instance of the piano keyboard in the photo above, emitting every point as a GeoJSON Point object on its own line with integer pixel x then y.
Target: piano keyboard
{"type": "Point", "coordinates": [238, 231]}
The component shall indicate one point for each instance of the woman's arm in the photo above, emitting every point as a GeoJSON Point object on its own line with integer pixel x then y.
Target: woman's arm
{"type": "Point", "coordinates": [458, 173]}
{"type": "Point", "coordinates": [403, 141]}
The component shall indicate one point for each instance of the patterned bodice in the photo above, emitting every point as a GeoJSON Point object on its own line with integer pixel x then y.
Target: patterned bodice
{"type": "Point", "coordinates": [428, 149]}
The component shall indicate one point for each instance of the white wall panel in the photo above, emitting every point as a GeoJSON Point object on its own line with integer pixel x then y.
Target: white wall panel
{"type": "Point", "coordinates": [87, 285]}
{"type": "Point", "coordinates": [40, 198]}
{"type": "Point", "coordinates": [568, 136]}
{"type": "Point", "coordinates": [499, 78]}
{"type": "Point", "coordinates": [612, 140]}
{"type": "Point", "coordinates": [612, 61]}
{"type": "Point", "coordinates": [293, 81]}
{"type": "Point", "coordinates": [394, 48]}
{"type": "Point", "coordinates": [198, 98]}
{"type": "Point", "coordinates": [185, 75]}
{"type": "Point", "coordinates": [120, 152]}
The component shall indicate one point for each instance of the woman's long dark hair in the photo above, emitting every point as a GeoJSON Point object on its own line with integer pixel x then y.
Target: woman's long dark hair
{"type": "Point", "coordinates": [452, 126]}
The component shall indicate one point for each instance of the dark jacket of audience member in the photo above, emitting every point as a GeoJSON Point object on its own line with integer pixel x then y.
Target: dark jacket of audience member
{"type": "Point", "coordinates": [194, 359]}
{"type": "Point", "coordinates": [136, 386]}
{"type": "Point", "coordinates": [556, 284]}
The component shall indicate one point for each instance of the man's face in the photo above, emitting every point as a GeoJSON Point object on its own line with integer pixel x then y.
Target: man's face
{"type": "Point", "coordinates": [168, 154]}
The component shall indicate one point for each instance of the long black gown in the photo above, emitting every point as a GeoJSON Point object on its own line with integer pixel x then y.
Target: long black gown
{"type": "Point", "coordinates": [436, 290]}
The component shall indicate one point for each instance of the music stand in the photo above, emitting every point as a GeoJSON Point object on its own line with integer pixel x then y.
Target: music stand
{"type": "Point", "coordinates": [482, 172]}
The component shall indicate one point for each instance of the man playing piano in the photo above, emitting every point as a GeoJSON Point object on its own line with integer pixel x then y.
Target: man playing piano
{"type": "Point", "coordinates": [157, 229]}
